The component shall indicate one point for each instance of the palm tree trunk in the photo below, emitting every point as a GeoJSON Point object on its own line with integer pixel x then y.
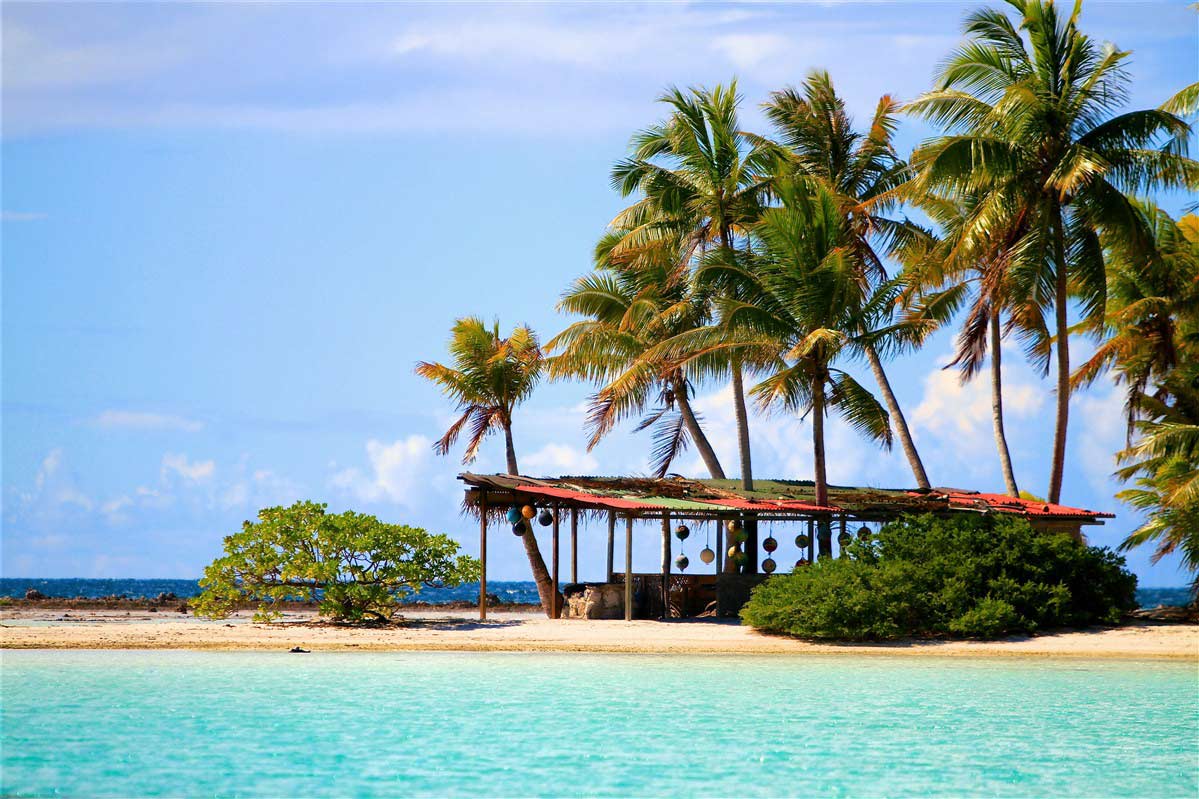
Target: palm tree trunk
{"type": "Point", "coordinates": [1005, 456]}
{"type": "Point", "coordinates": [747, 471]}
{"type": "Point", "coordinates": [541, 575]}
{"type": "Point", "coordinates": [742, 417]}
{"type": "Point", "coordinates": [824, 534]}
{"type": "Point", "coordinates": [901, 424]}
{"type": "Point", "coordinates": [1063, 361]}
{"type": "Point", "coordinates": [511, 451]}
{"type": "Point", "coordinates": [697, 434]}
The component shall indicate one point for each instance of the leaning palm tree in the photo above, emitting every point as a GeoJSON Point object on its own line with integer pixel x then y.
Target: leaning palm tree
{"type": "Point", "coordinates": [631, 303]}
{"type": "Point", "coordinates": [864, 172]}
{"type": "Point", "coordinates": [490, 377]}
{"type": "Point", "coordinates": [700, 170]}
{"type": "Point", "coordinates": [945, 274]}
{"type": "Point", "coordinates": [1029, 111]}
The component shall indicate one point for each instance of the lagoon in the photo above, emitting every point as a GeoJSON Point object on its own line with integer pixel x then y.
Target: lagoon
{"type": "Point", "coordinates": [127, 723]}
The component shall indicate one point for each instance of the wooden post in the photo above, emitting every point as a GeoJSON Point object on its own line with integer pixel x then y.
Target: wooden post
{"type": "Point", "coordinates": [574, 545]}
{"type": "Point", "coordinates": [840, 546]}
{"type": "Point", "coordinates": [719, 547]}
{"type": "Point", "coordinates": [628, 569]}
{"type": "Point", "coordinates": [555, 611]}
{"type": "Point", "coordinates": [666, 566]}
{"type": "Point", "coordinates": [611, 544]}
{"type": "Point", "coordinates": [482, 557]}
{"type": "Point", "coordinates": [811, 541]}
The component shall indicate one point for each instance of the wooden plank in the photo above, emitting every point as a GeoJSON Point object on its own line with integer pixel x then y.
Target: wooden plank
{"type": "Point", "coordinates": [574, 545]}
{"type": "Point", "coordinates": [666, 567]}
{"type": "Point", "coordinates": [555, 612]}
{"type": "Point", "coordinates": [628, 569]}
{"type": "Point", "coordinates": [611, 544]}
{"type": "Point", "coordinates": [483, 559]}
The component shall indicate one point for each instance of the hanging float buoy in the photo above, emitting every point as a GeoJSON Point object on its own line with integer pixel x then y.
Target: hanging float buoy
{"type": "Point", "coordinates": [682, 563]}
{"type": "Point", "coordinates": [802, 540]}
{"type": "Point", "coordinates": [513, 515]}
{"type": "Point", "coordinates": [518, 528]}
{"type": "Point", "coordinates": [682, 531]}
{"type": "Point", "coordinates": [528, 511]}
{"type": "Point", "coordinates": [843, 538]}
{"type": "Point", "coordinates": [707, 555]}
{"type": "Point", "coordinates": [546, 518]}
{"type": "Point", "coordinates": [769, 565]}
{"type": "Point", "coordinates": [733, 525]}
{"type": "Point", "coordinates": [863, 533]}
{"type": "Point", "coordinates": [801, 563]}
{"type": "Point", "coordinates": [770, 545]}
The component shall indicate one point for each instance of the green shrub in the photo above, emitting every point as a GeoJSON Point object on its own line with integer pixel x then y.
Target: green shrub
{"type": "Point", "coordinates": [970, 576]}
{"type": "Point", "coordinates": [356, 566]}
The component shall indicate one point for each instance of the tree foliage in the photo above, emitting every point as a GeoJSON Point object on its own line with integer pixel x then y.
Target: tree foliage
{"type": "Point", "coordinates": [961, 576]}
{"type": "Point", "coordinates": [354, 565]}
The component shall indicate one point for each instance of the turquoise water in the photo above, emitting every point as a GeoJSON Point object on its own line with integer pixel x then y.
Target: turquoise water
{"type": "Point", "coordinates": [423, 724]}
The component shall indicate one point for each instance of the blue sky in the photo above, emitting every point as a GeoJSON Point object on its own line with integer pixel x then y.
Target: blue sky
{"type": "Point", "coordinates": [229, 232]}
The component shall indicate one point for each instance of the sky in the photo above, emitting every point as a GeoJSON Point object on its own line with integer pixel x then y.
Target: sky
{"type": "Point", "coordinates": [231, 230]}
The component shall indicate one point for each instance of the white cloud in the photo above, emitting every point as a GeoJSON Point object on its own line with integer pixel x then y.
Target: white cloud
{"type": "Point", "coordinates": [398, 472]}
{"type": "Point", "coordinates": [961, 412]}
{"type": "Point", "coordinates": [142, 420]}
{"type": "Point", "coordinates": [192, 471]}
{"type": "Point", "coordinates": [1098, 430]}
{"type": "Point", "coordinates": [749, 50]}
{"type": "Point", "coordinates": [49, 467]}
{"type": "Point", "coordinates": [559, 459]}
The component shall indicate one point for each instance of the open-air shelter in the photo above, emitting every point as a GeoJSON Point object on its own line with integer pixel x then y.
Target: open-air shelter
{"type": "Point", "coordinates": [724, 505]}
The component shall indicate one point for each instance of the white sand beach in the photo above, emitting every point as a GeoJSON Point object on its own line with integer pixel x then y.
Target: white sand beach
{"type": "Point", "coordinates": [446, 630]}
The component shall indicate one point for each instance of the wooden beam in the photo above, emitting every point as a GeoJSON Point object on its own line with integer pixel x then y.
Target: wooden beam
{"type": "Point", "coordinates": [483, 558]}
{"type": "Point", "coordinates": [628, 569]}
{"type": "Point", "coordinates": [666, 567]}
{"type": "Point", "coordinates": [555, 612]}
{"type": "Point", "coordinates": [574, 545]}
{"type": "Point", "coordinates": [611, 544]}
{"type": "Point", "coordinates": [719, 546]}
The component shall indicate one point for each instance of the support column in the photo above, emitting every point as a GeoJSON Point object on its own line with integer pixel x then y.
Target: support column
{"type": "Point", "coordinates": [574, 545]}
{"type": "Point", "coordinates": [719, 546]}
{"type": "Point", "coordinates": [555, 611]}
{"type": "Point", "coordinates": [483, 557]}
{"type": "Point", "coordinates": [811, 541]}
{"type": "Point", "coordinates": [628, 569]}
{"type": "Point", "coordinates": [611, 544]}
{"type": "Point", "coordinates": [666, 566]}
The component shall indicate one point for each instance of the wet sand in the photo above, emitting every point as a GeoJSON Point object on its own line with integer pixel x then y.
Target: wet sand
{"type": "Point", "coordinates": [448, 630]}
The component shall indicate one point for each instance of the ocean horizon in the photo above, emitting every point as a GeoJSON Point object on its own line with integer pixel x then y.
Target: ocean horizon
{"type": "Point", "coordinates": [507, 591]}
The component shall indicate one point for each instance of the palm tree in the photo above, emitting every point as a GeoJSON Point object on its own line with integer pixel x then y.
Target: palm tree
{"type": "Point", "coordinates": [864, 172]}
{"type": "Point", "coordinates": [1151, 342]}
{"type": "Point", "coordinates": [799, 294]}
{"type": "Point", "coordinates": [1028, 109]}
{"type": "Point", "coordinates": [636, 298]}
{"type": "Point", "coordinates": [699, 169]}
{"type": "Point", "coordinates": [947, 273]}
{"type": "Point", "coordinates": [490, 377]}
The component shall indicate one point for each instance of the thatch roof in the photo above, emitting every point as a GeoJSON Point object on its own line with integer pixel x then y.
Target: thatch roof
{"type": "Point", "coordinates": [682, 497]}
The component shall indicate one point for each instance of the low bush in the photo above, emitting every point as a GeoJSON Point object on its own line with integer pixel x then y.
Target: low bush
{"type": "Point", "coordinates": [355, 566]}
{"type": "Point", "coordinates": [969, 576]}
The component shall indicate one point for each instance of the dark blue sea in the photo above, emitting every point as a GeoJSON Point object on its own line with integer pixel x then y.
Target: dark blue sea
{"type": "Point", "coordinates": [514, 591]}
{"type": "Point", "coordinates": [132, 588]}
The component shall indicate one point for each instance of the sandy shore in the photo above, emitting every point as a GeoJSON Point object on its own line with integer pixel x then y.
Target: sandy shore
{"type": "Point", "coordinates": [529, 632]}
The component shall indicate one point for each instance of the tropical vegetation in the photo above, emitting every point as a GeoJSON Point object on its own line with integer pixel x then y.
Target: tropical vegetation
{"type": "Point", "coordinates": [966, 576]}
{"type": "Point", "coordinates": [354, 566]}
{"type": "Point", "coordinates": [490, 376]}
{"type": "Point", "coordinates": [784, 262]}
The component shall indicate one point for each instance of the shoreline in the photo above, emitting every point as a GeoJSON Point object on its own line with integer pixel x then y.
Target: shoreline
{"type": "Point", "coordinates": [508, 631]}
